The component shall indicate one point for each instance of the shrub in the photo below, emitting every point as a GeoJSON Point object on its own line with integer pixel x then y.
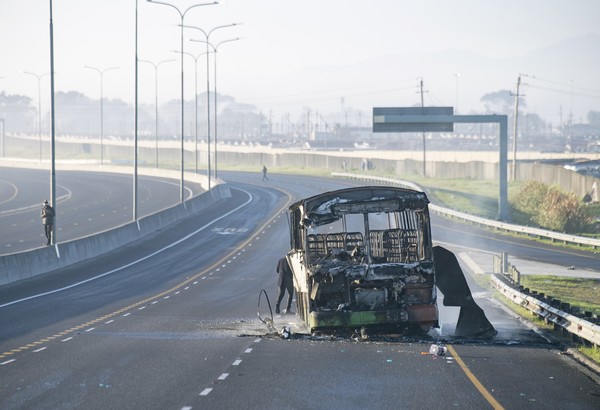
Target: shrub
{"type": "Point", "coordinates": [552, 209]}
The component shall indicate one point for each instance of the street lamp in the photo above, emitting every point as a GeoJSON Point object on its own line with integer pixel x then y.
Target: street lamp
{"type": "Point", "coordinates": [207, 36]}
{"type": "Point", "coordinates": [457, 75]}
{"type": "Point", "coordinates": [195, 105]}
{"type": "Point", "coordinates": [215, 50]}
{"type": "Point", "coordinates": [182, 15]}
{"type": "Point", "coordinates": [101, 73]}
{"type": "Point", "coordinates": [156, 65]}
{"type": "Point", "coordinates": [39, 78]}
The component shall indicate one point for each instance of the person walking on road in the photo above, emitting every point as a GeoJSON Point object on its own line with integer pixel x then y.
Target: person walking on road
{"type": "Point", "coordinates": [285, 283]}
{"type": "Point", "coordinates": [48, 215]}
{"type": "Point", "coordinates": [264, 172]}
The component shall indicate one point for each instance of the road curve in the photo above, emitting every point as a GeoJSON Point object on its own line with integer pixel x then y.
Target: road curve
{"type": "Point", "coordinates": [87, 203]}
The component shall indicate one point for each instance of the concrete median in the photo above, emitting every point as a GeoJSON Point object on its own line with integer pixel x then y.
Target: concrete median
{"type": "Point", "coordinates": [19, 266]}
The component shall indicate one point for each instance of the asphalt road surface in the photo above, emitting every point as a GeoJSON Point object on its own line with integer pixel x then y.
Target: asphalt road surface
{"type": "Point", "coordinates": [171, 322]}
{"type": "Point", "coordinates": [87, 202]}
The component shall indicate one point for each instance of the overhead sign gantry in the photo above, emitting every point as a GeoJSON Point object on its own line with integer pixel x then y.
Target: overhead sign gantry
{"type": "Point", "coordinates": [442, 119]}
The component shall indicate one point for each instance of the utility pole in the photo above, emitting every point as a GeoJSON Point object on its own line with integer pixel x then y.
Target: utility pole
{"type": "Point", "coordinates": [514, 161]}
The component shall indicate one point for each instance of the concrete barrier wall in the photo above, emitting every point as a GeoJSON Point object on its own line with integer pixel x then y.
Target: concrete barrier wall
{"type": "Point", "coordinates": [440, 164]}
{"type": "Point", "coordinates": [24, 265]}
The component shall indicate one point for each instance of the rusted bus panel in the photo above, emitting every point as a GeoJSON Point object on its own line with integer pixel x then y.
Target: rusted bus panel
{"type": "Point", "coordinates": [297, 263]}
{"type": "Point", "coordinates": [415, 314]}
{"type": "Point", "coordinates": [353, 319]}
{"type": "Point", "coordinates": [423, 314]}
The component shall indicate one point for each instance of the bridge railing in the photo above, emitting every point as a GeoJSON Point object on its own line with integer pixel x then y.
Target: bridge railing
{"type": "Point", "coordinates": [571, 323]}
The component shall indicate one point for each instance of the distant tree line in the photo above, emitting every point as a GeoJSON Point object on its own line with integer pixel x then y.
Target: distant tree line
{"type": "Point", "coordinates": [77, 114]}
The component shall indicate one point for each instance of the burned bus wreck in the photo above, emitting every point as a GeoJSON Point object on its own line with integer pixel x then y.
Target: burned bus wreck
{"type": "Point", "coordinates": [363, 257]}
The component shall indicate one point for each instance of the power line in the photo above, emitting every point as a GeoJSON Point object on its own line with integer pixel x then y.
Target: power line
{"type": "Point", "coordinates": [567, 92]}
{"type": "Point", "coordinates": [570, 86]}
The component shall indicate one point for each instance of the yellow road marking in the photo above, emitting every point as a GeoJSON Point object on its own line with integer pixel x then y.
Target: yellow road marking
{"type": "Point", "coordinates": [484, 392]}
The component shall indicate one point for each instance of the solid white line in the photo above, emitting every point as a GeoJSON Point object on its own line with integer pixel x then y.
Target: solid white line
{"type": "Point", "coordinates": [7, 362]}
{"type": "Point", "coordinates": [223, 376]}
{"type": "Point", "coordinates": [177, 242]}
{"type": "Point", "coordinates": [237, 362]}
{"type": "Point", "coordinates": [40, 349]}
{"type": "Point", "coordinates": [206, 391]}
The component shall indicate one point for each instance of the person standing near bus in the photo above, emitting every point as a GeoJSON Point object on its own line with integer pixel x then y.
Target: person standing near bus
{"type": "Point", "coordinates": [285, 283]}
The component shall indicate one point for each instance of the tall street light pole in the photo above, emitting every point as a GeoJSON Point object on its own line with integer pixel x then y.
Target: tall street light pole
{"type": "Point", "coordinates": [135, 128]}
{"type": "Point", "coordinates": [182, 16]}
{"type": "Point", "coordinates": [39, 78]}
{"type": "Point", "coordinates": [457, 75]}
{"type": "Point", "coordinates": [216, 49]}
{"type": "Point", "coordinates": [207, 37]}
{"type": "Point", "coordinates": [52, 130]}
{"type": "Point", "coordinates": [156, 65]}
{"type": "Point", "coordinates": [101, 73]}
{"type": "Point", "coordinates": [195, 106]}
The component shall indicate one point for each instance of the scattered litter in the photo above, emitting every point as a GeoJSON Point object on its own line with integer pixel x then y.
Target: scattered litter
{"type": "Point", "coordinates": [285, 332]}
{"type": "Point", "coordinates": [571, 268]}
{"type": "Point", "coordinates": [437, 350]}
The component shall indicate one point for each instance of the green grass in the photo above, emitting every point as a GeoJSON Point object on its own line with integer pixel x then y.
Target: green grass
{"type": "Point", "coordinates": [591, 352]}
{"type": "Point", "coordinates": [579, 292]}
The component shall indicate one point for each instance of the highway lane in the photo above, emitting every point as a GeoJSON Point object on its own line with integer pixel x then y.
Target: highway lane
{"type": "Point", "coordinates": [475, 237]}
{"type": "Point", "coordinates": [88, 202]}
{"type": "Point", "coordinates": [179, 329]}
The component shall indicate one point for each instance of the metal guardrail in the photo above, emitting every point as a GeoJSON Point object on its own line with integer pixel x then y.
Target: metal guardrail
{"type": "Point", "coordinates": [503, 226]}
{"type": "Point", "coordinates": [571, 323]}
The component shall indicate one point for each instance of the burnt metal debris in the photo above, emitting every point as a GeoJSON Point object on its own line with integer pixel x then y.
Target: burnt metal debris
{"type": "Point", "coordinates": [362, 258]}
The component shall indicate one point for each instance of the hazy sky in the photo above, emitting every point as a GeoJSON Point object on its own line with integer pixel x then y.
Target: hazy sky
{"type": "Point", "coordinates": [285, 45]}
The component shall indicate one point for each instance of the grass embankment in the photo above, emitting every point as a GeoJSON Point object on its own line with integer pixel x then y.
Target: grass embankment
{"type": "Point", "coordinates": [579, 292]}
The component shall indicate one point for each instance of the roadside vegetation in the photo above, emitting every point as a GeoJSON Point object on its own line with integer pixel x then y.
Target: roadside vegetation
{"type": "Point", "coordinates": [581, 293]}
